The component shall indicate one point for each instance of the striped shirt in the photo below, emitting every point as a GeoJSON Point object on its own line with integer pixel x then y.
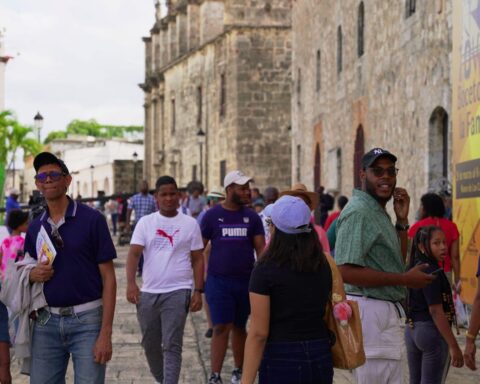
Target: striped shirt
{"type": "Point", "coordinates": [142, 205]}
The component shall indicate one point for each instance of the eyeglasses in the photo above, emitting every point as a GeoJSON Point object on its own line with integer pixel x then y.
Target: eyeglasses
{"type": "Point", "coordinates": [379, 171]}
{"type": "Point", "coordinates": [57, 238]}
{"type": "Point", "coordinates": [43, 176]}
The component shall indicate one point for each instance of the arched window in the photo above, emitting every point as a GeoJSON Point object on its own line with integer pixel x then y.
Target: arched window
{"type": "Point", "coordinates": [438, 148]}
{"type": "Point", "coordinates": [106, 186]}
{"type": "Point", "coordinates": [410, 8]}
{"type": "Point", "coordinates": [299, 86]}
{"type": "Point", "coordinates": [317, 170]}
{"type": "Point", "coordinates": [361, 30]}
{"type": "Point", "coordinates": [319, 73]}
{"type": "Point", "coordinates": [357, 156]}
{"type": "Point", "coordinates": [339, 50]}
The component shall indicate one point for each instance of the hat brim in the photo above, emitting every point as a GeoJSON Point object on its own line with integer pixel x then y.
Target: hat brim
{"type": "Point", "coordinates": [310, 198]}
{"type": "Point", "coordinates": [240, 181]}
{"type": "Point", "coordinates": [46, 158]}
{"type": "Point", "coordinates": [387, 155]}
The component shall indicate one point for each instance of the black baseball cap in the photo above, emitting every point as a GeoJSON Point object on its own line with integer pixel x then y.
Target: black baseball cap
{"type": "Point", "coordinates": [369, 158]}
{"type": "Point", "coordinates": [45, 158]}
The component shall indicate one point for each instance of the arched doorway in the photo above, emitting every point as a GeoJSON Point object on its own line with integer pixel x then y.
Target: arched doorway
{"type": "Point", "coordinates": [438, 148]}
{"type": "Point", "coordinates": [358, 153]}
{"type": "Point", "coordinates": [317, 170]}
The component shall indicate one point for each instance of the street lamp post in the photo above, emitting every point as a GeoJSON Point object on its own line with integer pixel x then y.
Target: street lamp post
{"type": "Point", "coordinates": [201, 141]}
{"type": "Point", "coordinates": [92, 167]}
{"type": "Point", "coordinates": [38, 124]}
{"type": "Point", "coordinates": [135, 157]}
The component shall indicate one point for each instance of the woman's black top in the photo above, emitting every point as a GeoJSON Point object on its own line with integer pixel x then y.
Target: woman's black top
{"type": "Point", "coordinates": [297, 300]}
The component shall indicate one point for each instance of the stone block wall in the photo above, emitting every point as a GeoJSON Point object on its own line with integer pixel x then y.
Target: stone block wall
{"type": "Point", "coordinates": [391, 90]}
{"type": "Point", "coordinates": [263, 102]}
{"type": "Point", "coordinates": [123, 176]}
{"type": "Point", "coordinates": [247, 65]}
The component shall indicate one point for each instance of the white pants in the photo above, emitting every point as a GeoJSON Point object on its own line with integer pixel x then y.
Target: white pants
{"type": "Point", "coordinates": [383, 342]}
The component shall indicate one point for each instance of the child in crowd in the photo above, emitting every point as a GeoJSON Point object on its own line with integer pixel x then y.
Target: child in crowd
{"type": "Point", "coordinates": [430, 313]}
{"type": "Point", "coordinates": [12, 246]}
{"type": "Point", "coordinates": [11, 250]}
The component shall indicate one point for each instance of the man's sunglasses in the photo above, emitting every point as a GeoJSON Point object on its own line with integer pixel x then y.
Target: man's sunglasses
{"type": "Point", "coordinates": [57, 239]}
{"type": "Point", "coordinates": [54, 176]}
{"type": "Point", "coordinates": [379, 171]}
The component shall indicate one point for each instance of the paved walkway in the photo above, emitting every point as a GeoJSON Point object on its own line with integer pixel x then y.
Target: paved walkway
{"type": "Point", "coordinates": [128, 365]}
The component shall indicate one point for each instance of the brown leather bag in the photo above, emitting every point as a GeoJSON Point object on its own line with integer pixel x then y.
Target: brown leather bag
{"type": "Point", "coordinates": [347, 351]}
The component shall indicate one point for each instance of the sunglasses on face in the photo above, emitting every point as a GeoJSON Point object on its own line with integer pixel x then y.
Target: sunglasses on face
{"type": "Point", "coordinates": [43, 176]}
{"type": "Point", "coordinates": [57, 238]}
{"type": "Point", "coordinates": [379, 171]}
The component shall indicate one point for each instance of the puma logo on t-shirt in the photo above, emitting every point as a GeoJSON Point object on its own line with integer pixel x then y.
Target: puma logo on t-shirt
{"type": "Point", "coordinates": [162, 233]}
{"type": "Point", "coordinates": [234, 232]}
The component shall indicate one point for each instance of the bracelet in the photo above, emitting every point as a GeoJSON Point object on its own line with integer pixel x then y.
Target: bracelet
{"type": "Point", "coordinates": [470, 336]}
{"type": "Point", "coordinates": [199, 290]}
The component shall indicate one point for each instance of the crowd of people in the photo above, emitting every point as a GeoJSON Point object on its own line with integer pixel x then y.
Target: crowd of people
{"type": "Point", "coordinates": [257, 263]}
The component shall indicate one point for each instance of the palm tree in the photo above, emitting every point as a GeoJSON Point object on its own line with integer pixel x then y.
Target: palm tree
{"type": "Point", "coordinates": [13, 137]}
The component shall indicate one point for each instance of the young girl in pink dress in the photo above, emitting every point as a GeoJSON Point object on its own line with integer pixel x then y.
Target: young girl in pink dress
{"type": "Point", "coordinates": [11, 248]}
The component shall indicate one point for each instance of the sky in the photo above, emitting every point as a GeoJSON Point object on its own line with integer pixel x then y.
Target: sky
{"type": "Point", "coordinates": [76, 59]}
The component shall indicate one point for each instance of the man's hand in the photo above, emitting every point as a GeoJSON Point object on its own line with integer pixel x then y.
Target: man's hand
{"type": "Point", "coordinates": [102, 351]}
{"type": "Point", "coordinates": [417, 279]}
{"type": "Point", "coordinates": [133, 293]}
{"type": "Point", "coordinates": [401, 204]}
{"type": "Point", "coordinates": [41, 273]}
{"type": "Point", "coordinates": [469, 354]}
{"type": "Point", "coordinates": [5, 375]}
{"type": "Point", "coordinates": [196, 302]}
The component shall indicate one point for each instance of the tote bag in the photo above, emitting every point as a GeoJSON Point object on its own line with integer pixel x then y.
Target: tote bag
{"type": "Point", "coordinates": [347, 350]}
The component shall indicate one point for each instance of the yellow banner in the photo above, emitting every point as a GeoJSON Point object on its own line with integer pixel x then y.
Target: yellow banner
{"type": "Point", "coordinates": [466, 138]}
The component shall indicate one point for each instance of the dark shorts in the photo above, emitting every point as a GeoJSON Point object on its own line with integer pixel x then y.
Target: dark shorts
{"type": "Point", "coordinates": [228, 300]}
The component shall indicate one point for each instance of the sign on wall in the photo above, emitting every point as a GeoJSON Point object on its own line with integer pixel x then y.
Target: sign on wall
{"type": "Point", "coordinates": [466, 138]}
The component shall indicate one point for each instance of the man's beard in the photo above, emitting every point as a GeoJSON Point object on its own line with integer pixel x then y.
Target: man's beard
{"type": "Point", "coordinates": [236, 199]}
{"type": "Point", "coordinates": [370, 189]}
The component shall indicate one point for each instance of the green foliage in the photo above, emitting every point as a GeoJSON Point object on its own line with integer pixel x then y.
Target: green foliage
{"type": "Point", "coordinates": [93, 128]}
{"type": "Point", "coordinates": [14, 136]}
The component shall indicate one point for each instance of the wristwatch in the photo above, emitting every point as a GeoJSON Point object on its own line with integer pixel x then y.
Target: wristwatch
{"type": "Point", "coordinates": [199, 290]}
{"type": "Point", "coordinates": [402, 227]}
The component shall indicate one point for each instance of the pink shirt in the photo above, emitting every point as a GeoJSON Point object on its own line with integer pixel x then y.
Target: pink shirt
{"type": "Point", "coordinates": [322, 236]}
{"type": "Point", "coordinates": [10, 247]}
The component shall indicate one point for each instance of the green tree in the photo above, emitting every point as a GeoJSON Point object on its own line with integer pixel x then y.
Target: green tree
{"type": "Point", "coordinates": [13, 137]}
{"type": "Point", "coordinates": [93, 128]}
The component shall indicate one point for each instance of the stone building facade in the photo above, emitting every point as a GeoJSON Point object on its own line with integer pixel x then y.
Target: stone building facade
{"type": "Point", "coordinates": [217, 91]}
{"type": "Point", "coordinates": [367, 74]}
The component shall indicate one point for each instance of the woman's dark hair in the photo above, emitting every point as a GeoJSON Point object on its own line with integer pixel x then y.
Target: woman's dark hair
{"type": "Point", "coordinates": [423, 237]}
{"type": "Point", "coordinates": [301, 253]}
{"type": "Point", "coordinates": [16, 217]}
{"type": "Point", "coordinates": [432, 205]}
{"type": "Point", "coordinates": [342, 202]}
{"type": "Point", "coordinates": [165, 180]}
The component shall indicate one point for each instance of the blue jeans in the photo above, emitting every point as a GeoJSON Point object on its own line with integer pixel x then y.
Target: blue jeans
{"type": "Point", "coordinates": [55, 337]}
{"type": "Point", "coordinates": [302, 362]}
{"type": "Point", "coordinates": [427, 353]}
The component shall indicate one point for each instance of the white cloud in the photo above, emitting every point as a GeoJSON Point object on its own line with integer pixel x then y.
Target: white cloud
{"type": "Point", "coordinates": [78, 59]}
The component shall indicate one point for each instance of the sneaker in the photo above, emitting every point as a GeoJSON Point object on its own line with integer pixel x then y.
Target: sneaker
{"type": "Point", "coordinates": [209, 333]}
{"type": "Point", "coordinates": [215, 379]}
{"type": "Point", "coordinates": [236, 376]}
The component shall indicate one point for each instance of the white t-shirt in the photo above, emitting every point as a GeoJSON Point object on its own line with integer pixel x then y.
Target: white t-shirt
{"type": "Point", "coordinates": [167, 243]}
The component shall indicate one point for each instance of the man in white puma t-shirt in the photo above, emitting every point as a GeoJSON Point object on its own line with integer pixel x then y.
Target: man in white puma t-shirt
{"type": "Point", "coordinates": [172, 246]}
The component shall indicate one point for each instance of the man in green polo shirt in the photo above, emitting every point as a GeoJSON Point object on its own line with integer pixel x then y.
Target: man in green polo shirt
{"type": "Point", "coordinates": [371, 253]}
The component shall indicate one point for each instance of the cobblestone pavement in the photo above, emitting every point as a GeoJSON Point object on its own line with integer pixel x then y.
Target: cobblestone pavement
{"type": "Point", "coordinates": [128, 365]}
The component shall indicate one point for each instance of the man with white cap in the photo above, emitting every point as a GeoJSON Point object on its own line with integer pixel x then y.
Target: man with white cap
{"type": "Point", "coordinates": [236, 233]}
